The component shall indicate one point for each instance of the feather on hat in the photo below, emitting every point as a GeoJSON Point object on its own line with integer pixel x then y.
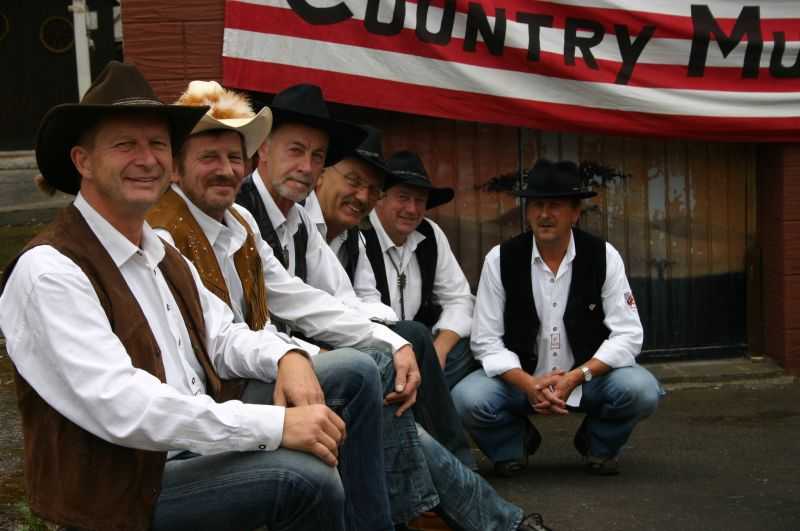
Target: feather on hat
{"type": "Point", "coordinates": [228, 110]}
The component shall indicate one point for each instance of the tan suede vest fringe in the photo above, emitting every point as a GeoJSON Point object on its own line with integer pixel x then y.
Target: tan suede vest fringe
{"type": "Point", "coordinates": [173, 215]}
{"type": "Point", "coordinates": [74, 478]}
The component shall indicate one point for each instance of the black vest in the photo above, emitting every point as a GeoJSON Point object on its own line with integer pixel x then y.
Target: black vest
{"type": "Point", "coordinates": [426, 253]}
{"type": "Point", "coordinates": [250, 199]}
{"type": "Point", "coordinates": [350, 247]}
{"type": "Point", "coordinates": [583, 317]}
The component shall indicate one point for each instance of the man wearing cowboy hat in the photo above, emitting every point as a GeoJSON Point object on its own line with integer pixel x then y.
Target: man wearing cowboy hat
{"type": "Point", "coordinates": [557, 331]}
{"type": "Point", "coordinates": [416, 271]}
{"type": "Point", "coordinates": [129, 370]}
{"type": "Point", "coordinates": [303, 141]}
{"type": "Point", "coordinates": [344, 195]}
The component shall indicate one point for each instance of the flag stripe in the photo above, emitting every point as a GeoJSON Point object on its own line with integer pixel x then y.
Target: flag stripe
{"type": "Point", "coordinates": [400, 67]}
{"type": "Point", "coordinates": [725, 78]}
{"type": "Point", "coordinates": [416, 99]}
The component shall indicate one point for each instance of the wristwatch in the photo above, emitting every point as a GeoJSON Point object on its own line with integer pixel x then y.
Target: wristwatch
{"type": "Point", "coordinates": [587, 374]}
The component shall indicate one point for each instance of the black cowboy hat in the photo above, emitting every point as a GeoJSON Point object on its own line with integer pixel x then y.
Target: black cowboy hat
{"type": "Point", "coordinates": [407, 168]}
{"type": "Point", "coordinates": [304, 104]}
{"type": "Point", "coordinates": [370, 151]}
{"type": "Point", "coordinates": [119, 88]}
{"type": "Point", "coordinates": [555, 180]}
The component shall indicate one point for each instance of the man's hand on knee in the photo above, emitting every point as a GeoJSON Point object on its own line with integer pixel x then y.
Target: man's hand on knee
{"type": "Point", "coordinates": [297, 383]}
{"type": "Point", "coordinates": [314, 429]}
{"type": "Point", "coordinates": [407, 380]}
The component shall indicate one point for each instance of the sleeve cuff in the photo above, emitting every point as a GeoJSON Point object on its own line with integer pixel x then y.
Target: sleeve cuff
{"type": "Point", "coordinates": [262, 427]}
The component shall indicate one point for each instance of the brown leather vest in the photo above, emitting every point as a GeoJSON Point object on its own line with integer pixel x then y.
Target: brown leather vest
{"type": "Point", "coordinates": [74, 478]}
{"type": "Point", "coordinates": [173, 215]}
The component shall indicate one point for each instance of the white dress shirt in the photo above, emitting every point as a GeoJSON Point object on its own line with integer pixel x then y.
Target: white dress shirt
{"type": "Point", "coordinates": [550, 293]}
{"type": "Point", "coordinates": [79, 366]}
{"type": "Point", "coordinates": [314, 312]}
{"type": "Point", "coordinates": [363, 285]}
{"type": "Point", "coordinates": [450, 286]}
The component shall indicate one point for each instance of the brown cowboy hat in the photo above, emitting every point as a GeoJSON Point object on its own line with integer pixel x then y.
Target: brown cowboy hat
{"type": "Point", "coordinates": [555, 180]}
{"type": "Point", "coordinates": [407, 168]}
{"type": "Point", "coordinates": [304, 104]}
{"type": "Point", "coordinates": [119, 88]}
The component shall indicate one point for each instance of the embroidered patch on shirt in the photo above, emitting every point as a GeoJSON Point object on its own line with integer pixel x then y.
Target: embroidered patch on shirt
{"type": "Point", "coordinates": [629, 300]}
{"type": "Point", "coordinates": [555, 341]}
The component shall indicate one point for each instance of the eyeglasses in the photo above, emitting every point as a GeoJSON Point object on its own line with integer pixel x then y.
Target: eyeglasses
{"type": "Point", "coordinates": [357, 183]}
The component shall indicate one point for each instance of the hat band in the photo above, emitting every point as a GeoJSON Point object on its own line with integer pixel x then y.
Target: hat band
{"type": "Point", "coordinates": [365, 153]}
{"type": "Point", "coordinates": [411, 173]}
{"type": "Point", "coordinates": [137, 101]}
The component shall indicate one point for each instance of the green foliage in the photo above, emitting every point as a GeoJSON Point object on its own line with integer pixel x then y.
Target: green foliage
{"type": "Point", "coordinates": [28, 520]}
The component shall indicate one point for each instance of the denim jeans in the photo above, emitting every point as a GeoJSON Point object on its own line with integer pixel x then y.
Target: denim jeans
{"type": "Point", "coordinates": [466, 501]}
{"type": "Point", "coordinates": [409, 483]}
{"type": "Point", "coordinates": [286, 489]}
{"type": "Point", "coordinates": [460, 363]}
{"type": "Point", "coordinates": [434, 409]}
{"type": "Point", "coordinates": [495, 413]}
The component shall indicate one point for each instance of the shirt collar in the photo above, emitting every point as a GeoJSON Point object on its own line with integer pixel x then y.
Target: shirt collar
{"type": "Point", "coordinates": [568, 257]}
{"type": "Point", "coordinates": [120, 248]}
{"type": "Point", "coordinates": [314, 211]}
{"type": "Point", "coordinates": [213, 229]}
{"type": "Point", "coordinates": [276, 217]}
{"type": "Point", "coordinates": [386, 242]}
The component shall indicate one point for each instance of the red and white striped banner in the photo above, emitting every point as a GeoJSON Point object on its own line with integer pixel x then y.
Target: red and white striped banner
{"type": "Point", "coordinates": [713, 69]}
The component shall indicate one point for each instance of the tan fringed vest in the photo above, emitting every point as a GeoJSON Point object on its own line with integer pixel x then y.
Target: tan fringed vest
{"type": "Point", "coordinates": [74, 478]}
{"type": "Point", "coordinates": [173, 215]}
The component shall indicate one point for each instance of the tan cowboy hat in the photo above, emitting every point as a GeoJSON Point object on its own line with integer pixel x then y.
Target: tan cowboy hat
{"type": "Point", "coordinates": [228, 110]}
{"type": "Point", "coordinates": [119, 89]}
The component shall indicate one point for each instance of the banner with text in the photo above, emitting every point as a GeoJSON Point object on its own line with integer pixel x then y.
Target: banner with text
{"type": "Point", "coordinates": [716, 69]}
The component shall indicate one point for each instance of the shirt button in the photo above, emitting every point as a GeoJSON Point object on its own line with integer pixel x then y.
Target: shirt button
{"type": "Point", "coordinates": [555, 353]}
{"type": "Point", "coordinates": [168, 307]}
{"type": "Point", "coordinates": [555, 329]}
{"type": "Point", "coordinates": [552, 280]}
{"type": "Point", "coordinates": [555, 304]}
{"type": "Point", "coordinates": [194, 380]}
{"type": "Point", "coordinates": [262, 446]}
{"type": "Point", "coordinates": [179, 341]}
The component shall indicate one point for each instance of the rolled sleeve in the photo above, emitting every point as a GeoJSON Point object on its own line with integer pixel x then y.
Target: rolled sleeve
{"type": "Point", "coordinates": [626, 336]}
{"type": "Point", "coordinates": [488, 327]}
{"type": "Point", "coordinates": [451, 289]}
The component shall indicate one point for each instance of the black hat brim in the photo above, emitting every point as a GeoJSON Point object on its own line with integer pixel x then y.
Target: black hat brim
{"type": "Point", "coordinates": [532, 194]}
{"type": "Point", "coordinates": [63, 125]}
{"type": "Point", "coordinates": [373, 162]}
{"type": "Point", "coordinates": [343, 137]}
{"type": "Point", "coordinates": [436, 196]}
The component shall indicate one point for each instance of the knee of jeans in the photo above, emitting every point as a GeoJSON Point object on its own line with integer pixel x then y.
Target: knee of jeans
{"type": "Point", "coordinates": [416, 333]}
{"type": "Point", "coordinates": [325, 486]}
{"type": "Point", "coordinates": [641, 393]}
{"type": "Point", "coordinates": [360, 367]}
{"type": "Point", "coordinates": [473, 408]}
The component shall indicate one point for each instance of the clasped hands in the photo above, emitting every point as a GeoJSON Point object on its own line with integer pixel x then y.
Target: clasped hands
{"type": "Point", "coordinates": [548, 393]}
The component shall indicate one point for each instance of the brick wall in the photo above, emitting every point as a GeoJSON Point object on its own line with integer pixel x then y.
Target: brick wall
{"type": "Point", "coordinates": [779, 232]}
{"type": "Point", "coordinates": [174, 43]}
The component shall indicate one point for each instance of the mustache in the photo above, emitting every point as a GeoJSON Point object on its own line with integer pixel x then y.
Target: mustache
{"type": "Point", "coordinates": [222, 180]}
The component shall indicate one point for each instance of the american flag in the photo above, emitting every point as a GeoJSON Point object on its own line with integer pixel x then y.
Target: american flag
{"type": "Point", "coordinates": [715, 70]}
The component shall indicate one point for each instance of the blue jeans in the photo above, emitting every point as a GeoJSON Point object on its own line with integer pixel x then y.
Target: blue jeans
{"type": "Point", "coordinates": [408, 481]}
{"type": "Point", "coordinates": [286, 489]}
{"type": "Point", "coordinates": [466, 501]}
{"type": "Point", "coordinates": [495, 413]}
{"type": "Point", "coordinates": [434, 409]}
{"type": "Point", "coordinates": [423, 474]}
{"type": "Point", "coordinates": [460, 363]}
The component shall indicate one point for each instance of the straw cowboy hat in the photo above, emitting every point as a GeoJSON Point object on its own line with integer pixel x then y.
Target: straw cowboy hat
{"type": "Point", "coordinates": [304, 104]}
{"type": "Point", "coordinates": [407, 168]}
{"type": "Point", "coordinates": [119, 89]}
{"type": "Point", "coordinates": [554, 180]}
{"type": "Point", "coordinates": [228, 110]}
